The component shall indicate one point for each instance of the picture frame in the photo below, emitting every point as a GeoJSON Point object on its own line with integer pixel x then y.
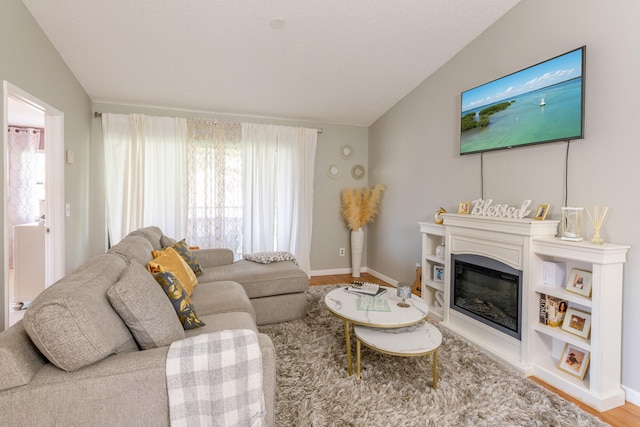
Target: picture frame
{"type": "Point", "coordinates": [579, 282]}
{"type": "Point", "coordinates": [438, 273]}
{"type": "Point", "coordinates": [574, 360]}
{"type": "Point", "coordinates": [464, 208]}
{"type": "Point", "coordinates": [541, 212]}
{"type": "Point", "coordinates": [577, 322]}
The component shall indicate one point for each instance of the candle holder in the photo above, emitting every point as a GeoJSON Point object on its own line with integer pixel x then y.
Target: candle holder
{"type": "Point", "coordinates": [404, 292]}
{"type": "Point", "coordinates": [572, 224]}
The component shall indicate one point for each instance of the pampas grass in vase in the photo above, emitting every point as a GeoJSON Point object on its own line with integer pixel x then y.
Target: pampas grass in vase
{"type": "Point", "coordinates": [359, 208]}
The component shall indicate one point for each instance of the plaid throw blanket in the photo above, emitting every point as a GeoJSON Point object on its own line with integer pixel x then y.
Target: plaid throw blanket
{"type": "Point", "coordinates": [216, 380]}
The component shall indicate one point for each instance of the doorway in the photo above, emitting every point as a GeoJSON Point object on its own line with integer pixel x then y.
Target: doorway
{"type": "Point", "coordinates": [40, 235]}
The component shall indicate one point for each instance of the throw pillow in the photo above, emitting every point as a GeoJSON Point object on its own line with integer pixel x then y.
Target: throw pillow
{"type": "Point", "coordinates": [169, 260]}
{"type": "Point", "coordinates": [72, 322]}
{"type": "Point", "coordinates": [185, 252]}
{"type": "Point", "coordinates": [145, 309]}
{"type": "Point", "coordinates": [179, 299]}
{"type": "Point", "coordinates": [269, 257]}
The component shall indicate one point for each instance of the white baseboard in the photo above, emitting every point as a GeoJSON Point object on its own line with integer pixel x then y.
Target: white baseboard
{"type": "Point", "coordinates": [335, 271]}
{"type": "Point", "coordinates": [382, 277]}
{"type": "Point", "coordinates": [631, 396]}
{"type": "Point", "coordinates": [331, 272]}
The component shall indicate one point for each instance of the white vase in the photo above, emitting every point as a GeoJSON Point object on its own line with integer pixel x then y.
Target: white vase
{"type": "Point", "coordinates": [357, 242]}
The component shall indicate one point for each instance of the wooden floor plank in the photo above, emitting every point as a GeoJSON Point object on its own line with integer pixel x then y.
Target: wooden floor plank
{"type": "Point", "coordinates": [623, 416]}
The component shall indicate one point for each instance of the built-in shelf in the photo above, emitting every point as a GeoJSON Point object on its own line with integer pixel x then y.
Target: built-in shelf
{"type": "Point", "coordinates": [526, 244]}
{"type": "Point", "coordinates": [600, 387]}
{"type": "Point", "coordinates": [563, 294]}
{"type": "Point", "coordinates": [432, 237]}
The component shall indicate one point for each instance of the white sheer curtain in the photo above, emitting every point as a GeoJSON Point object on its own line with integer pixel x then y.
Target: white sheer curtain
{"type": "Point", "coordinates": [25, 178]}
{"type": "Point", "coordinates": [214, 165]}
{"type": "Point", "coordinates": [278, 189]}
{"type": "Point", "coordinates": [145, 173]}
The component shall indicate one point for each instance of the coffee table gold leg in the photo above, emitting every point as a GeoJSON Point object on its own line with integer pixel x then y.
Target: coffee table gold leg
{"type": "Point", "coordinates": [357, 357]}
{"type": "Point", "coordinates": [435, 369]}
{"type": "Point", "coordinates": [347, 335]}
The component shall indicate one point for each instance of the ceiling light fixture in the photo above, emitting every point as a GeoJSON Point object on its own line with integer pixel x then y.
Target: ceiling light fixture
{"type": "Point", "coordinates": [277, 23]}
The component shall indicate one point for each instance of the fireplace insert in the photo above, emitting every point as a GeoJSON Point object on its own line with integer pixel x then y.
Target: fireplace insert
{"type": "Point", "coordinates": [488, 291]}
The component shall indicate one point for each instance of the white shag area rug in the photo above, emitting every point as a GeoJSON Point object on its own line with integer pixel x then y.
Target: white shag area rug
{"type": "Point", "coordinates": [314, 388]}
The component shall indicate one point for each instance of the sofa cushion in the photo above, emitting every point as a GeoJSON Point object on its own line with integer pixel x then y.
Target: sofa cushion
{"type": "Point", "coordinates": [224, 321]}
{"type": "Point", "coordinates": [183, 249]}
{"type": "Point", "coordinates": [72, 322]}
{"type": "Point", "coordinates": [221, 297]}
{"type": "Point", "coordinates": [145, 308]}
{"type": "Point", "coordinates": [168, 260]}
{"type": "Point", "coordinates": [19, 358]}
{"type": "Point", "coordinates": [166, 241]}
{"type": "Point", "coordinates": [260, 280]}
{"type": "Point", "coordinates": [179, 299]}
{"type": "Point", "coordinates": [133, 248]}
{"type": "Point", "coordinates": [153, 235]}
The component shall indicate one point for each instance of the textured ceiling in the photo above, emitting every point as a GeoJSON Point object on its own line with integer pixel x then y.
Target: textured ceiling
{"type": "Point", "coordinates": [334, 61]}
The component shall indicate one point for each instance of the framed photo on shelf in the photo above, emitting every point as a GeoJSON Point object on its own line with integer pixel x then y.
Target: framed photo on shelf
{"type": "Point", "coordinates": [577, 322]}
{"type": "Point", "coordinates": [579, 282]}
{"type": "Point", "coordinates": [464, 208]}
{"type": "Point", "coordinates": [438, 273]}
{"type": "Point", "coordinates": [574, 360]}
{"type": "Point", "coordinates": [541, 212]}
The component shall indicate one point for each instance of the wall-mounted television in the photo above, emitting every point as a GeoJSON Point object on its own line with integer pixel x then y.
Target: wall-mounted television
{"type": "Point", "coordinates": [542, 103]}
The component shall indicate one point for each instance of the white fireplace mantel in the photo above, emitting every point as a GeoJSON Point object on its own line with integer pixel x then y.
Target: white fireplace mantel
{"type": "Point", "coordinates": [525, 244]}
{"type": "Point", "coordinates": [507, 240]}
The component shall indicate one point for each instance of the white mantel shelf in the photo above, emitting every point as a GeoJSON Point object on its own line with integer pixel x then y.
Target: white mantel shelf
{"type": "Point", "coordinates": [520, 227]}
{"type": "Point", "coordinates": [525, 244]}
{"type": "Point", "coordinates": [607, 253]}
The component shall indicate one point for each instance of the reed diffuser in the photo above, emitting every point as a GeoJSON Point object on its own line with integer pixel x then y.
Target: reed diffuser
{"type": "Point", "coordinates": [596, 220]}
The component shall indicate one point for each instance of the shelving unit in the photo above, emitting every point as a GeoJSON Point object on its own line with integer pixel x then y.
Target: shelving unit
{"type": "Point", "coordinates": [433, 235]}
{"type": "Point", "coordinates": [525, 244]}
{"type": "Point", "coordinates": [600, 387]}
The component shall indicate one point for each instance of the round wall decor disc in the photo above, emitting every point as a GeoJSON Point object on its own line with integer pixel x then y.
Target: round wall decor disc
{"type": "Point", "coordinates": [357, 171]}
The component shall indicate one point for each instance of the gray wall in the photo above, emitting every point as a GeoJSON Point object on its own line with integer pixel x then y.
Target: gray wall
{"type": "Point", "coordinates": [30, 62]}
{"type": "Point", "coordinates": [329, 230]}
{"type": "Point", "coordinates": [413, 148]}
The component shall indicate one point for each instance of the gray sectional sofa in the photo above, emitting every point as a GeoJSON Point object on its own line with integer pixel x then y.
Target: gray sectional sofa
{"type": "Point", "coordinates": [74, 360]}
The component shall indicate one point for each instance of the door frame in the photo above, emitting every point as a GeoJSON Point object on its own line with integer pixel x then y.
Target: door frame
{"type": "Point", "coordinates": [54, 190]}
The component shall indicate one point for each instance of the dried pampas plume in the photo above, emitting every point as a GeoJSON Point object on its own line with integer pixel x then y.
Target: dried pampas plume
{"type": "Point", "coordinates": [360, 207]}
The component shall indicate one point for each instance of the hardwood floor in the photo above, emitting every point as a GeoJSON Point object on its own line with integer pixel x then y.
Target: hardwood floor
{"type": "Point", "coordinates": [623, 416]}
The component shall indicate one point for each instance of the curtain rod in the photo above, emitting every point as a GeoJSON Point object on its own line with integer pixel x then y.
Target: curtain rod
{"type": "Point", "coordinates": [97, 114]}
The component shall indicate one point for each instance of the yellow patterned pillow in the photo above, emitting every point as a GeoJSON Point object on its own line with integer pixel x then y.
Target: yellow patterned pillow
{"type": "Point", "coordinates": [168, 260]}
{"type": "Point", "coordinates": [185, 252]}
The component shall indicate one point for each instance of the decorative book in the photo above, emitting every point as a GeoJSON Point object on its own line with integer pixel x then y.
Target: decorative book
{"type": "Point", "coordinates": [552, 310]}
{"type": "Point", "coordinates": [366, 288]}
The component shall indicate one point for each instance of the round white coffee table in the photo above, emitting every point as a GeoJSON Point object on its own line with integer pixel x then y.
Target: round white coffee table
{"type": "Point", "coordinates": [411, 341]}
{"type": "Point", "coordinates": [380, 312]}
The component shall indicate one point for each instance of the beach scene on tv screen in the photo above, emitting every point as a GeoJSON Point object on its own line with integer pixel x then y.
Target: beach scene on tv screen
{"type": "Point", "coordinates": [538, 104]}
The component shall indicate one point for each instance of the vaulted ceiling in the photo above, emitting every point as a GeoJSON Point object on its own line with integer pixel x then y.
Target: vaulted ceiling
{"type": "Point", "coordinates": [329, 61]}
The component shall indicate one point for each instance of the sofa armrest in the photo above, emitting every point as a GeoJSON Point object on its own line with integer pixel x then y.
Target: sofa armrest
{"type": "Point", "coordinates": [213, 257]}
{"type": "Point", "coordinates": [268, 376]}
